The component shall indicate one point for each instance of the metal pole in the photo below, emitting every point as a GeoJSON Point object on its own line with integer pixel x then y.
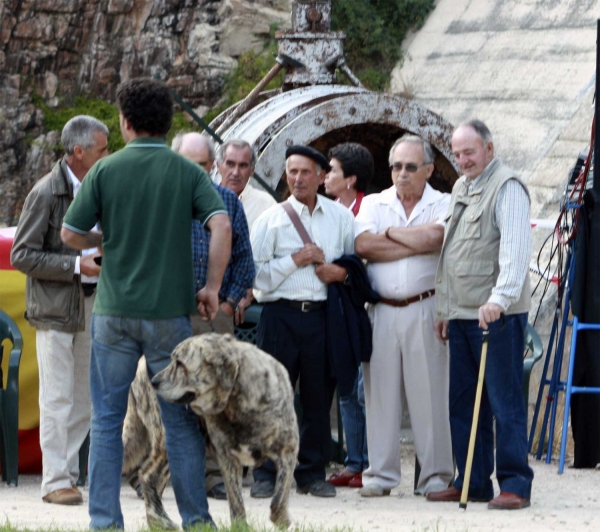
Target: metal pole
{"type": "Point", "coordinates": [596, 146]}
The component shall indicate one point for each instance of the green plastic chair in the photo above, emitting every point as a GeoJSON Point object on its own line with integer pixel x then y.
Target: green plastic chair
{"type": "Point", "coordinates": [9, 401]}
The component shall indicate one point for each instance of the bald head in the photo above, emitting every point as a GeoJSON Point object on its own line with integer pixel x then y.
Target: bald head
{"type": "Point", "coordinates": [196, 148]}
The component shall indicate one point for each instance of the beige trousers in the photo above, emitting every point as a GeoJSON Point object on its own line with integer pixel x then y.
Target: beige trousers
{"type": "Point", "coordinates": [222, 324]}
{"type": "Point", "coordinates": [407, 357]}
{"type": "Point", "coordinates": [65, 403]}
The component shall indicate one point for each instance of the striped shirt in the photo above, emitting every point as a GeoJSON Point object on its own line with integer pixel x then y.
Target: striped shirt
{"type": "Point", "coordinates": [511, 217]}
{"type": "Point", "coordinates": [274, 240]}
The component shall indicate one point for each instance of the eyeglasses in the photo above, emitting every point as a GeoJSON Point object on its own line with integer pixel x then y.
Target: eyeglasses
{"type": "Point", "coordinates": [411, 168]}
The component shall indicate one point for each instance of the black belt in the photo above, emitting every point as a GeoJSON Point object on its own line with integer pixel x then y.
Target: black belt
{"type": "Point", "coordinates": [304, 306]}
{"type": "Point", "coordinates": [88, 289]}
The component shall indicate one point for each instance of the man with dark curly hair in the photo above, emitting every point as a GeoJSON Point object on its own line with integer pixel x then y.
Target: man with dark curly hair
{"type": "Point", "coordinates": [145, 198]}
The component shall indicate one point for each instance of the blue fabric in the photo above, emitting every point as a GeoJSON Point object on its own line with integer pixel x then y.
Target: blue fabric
{"type": "Point", "coordinates": [352, 408]}
{"type": "Point", "coordinates": [239, 275]}
{"type": "Point", "coordinates": [502, 399]}
{"type": "Point", "coordinates": [117, 345]}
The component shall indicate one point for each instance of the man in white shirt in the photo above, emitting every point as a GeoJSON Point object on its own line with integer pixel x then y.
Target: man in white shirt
{"type": "Point", "coordinates": [399, 233]}
{"type": "Point", "coordinates": [236, 160]}
{"type": "Point", "coordinates": [60, 296]}
{"type": "Point", "coordinates": [291, 280]}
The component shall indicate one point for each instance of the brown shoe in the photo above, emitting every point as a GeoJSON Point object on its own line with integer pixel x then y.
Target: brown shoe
{"type": "Point", "coordinates": [67, 496]}
{"type": "Point", "coordinates": [450, 495]}
{"type": "Point", "coordinates": [509, 501]}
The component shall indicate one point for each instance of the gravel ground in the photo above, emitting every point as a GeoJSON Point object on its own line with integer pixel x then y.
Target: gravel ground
{"type": "Point", "coordinates": [569, 502]}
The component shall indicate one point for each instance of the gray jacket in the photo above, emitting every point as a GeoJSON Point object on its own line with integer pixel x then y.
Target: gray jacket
{"type": "Point", "coordinates": [54, 293]}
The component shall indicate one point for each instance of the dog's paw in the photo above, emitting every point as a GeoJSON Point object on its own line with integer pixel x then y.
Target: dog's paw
{"type": "Point", "coordinates": [160, 522]}
{"type": "Point", "coordinates": [282, 521]}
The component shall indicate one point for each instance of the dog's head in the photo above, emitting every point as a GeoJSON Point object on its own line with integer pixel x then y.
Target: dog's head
{"type": "Point", "coordinates": [202, 373]}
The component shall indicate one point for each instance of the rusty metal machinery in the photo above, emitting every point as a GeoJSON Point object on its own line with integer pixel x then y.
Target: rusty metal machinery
{"type": "Point", "coordinates": [312, 108]}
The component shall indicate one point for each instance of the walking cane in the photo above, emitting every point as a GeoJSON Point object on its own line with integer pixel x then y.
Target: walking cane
{"type": "Point", "coordinates": [467, 480]}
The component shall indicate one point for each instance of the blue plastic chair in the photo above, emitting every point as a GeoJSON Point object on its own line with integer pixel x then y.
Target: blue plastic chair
{"type": "Point", "coordinates": [9, 401]}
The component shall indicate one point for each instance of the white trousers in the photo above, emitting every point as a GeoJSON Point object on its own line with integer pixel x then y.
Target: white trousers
{"type": "Point", "coordinates": [65, 404]}
{"type": "Point", "coordinates": [407, 357]}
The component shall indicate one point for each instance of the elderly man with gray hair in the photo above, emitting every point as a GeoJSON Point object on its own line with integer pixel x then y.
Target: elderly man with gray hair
{"type": "Point", "coordinates": [236, 160]}
{"type": "Point", "coordinates": [60, 295]}
{"type": "Point", "coordinates": [400, 232]}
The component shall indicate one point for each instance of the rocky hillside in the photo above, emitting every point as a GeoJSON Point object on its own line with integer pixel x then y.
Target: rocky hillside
{"type": "Point", "coordinates": [51, 51]}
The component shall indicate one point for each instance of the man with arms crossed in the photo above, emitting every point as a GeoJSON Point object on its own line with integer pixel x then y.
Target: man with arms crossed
{"type": "Point", "coordinates": [60, 296]}
{"type": "Point", "coordinates": [399, 235]}
{"type": "Point", "coordinates": [291, 280]}
{"type": "Point", "coordinates": [145, 197]}
{"type": "Point", "coordinates": [239, 276]}
{"type": "Point", "coordinates": [483, 284]}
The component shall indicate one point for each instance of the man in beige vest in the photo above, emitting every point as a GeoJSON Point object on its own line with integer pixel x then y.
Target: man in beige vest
{"type": "Point", "coordinates": [483, 284]}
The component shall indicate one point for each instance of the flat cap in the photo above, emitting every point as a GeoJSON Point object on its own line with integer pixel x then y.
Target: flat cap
{"type": "Point", "coordinates": [311, 153]}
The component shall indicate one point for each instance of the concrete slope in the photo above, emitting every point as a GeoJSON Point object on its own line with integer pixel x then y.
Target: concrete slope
{"type": "Point", "coordinates": [525, 67]}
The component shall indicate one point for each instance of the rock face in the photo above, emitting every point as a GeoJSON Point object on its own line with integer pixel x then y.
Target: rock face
{"type": "Point", "coordinates": [59, 49]}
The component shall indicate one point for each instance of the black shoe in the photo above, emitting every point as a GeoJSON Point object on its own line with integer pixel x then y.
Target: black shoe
{"type": "Point", "coordinates": [317, 488]}
{"type": "Point", "coordinates": [262, 489]}
{"type": "Point", "coordinates": [217, 492]}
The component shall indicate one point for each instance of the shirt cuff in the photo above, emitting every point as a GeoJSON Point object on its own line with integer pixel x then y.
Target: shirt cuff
{"type": "Point", "coordinates": [77, 265]}
{"type": "Point", "coordinates": [504, 302]}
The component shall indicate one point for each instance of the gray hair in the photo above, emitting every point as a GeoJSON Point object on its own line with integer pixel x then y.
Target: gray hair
{"type": "Point", "coordinates": [178, 141]}
{"type": "Point", "coordinates": [480, 128]}
{"type": "Point", "coordinates": [318, 167]}
{"type": "Point", "coordinates": [79, 131]}
{"type": "Point", "coordinates": [428, 155]}
{"type": "Point", "coordinates": [236, 143]}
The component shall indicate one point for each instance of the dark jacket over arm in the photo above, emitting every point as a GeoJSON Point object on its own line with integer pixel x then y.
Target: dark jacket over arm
{"type": "Point", "coordinates": [348, 327]}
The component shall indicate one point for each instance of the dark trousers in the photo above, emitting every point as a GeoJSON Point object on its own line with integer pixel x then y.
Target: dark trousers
{"type": "Point", "coordinates": [502, 399]}
{"type": "Point", "coordinates": [298, 340]}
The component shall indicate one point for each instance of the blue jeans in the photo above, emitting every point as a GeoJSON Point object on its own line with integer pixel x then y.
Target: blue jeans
{"type": "Point", "coordinates": [353, 418]}
{"type": "Point", "coordinates": [502, 399]}
{"type": "Point", "coordinates": [117, 345]}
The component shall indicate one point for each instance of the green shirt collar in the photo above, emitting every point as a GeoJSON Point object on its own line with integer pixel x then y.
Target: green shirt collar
{"type": "Point", "coordinates": [145, 142]}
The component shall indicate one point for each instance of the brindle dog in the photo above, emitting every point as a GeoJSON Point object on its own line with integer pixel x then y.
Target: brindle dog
{"type": "Point", "coordinates": [244, 399]}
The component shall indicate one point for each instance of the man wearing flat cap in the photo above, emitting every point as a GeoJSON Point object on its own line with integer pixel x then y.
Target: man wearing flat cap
{"type": "Point", "coordinates": [292, 274]}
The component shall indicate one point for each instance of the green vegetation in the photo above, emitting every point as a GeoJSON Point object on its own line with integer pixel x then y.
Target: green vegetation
{"type": "Point", "coordinates": [251, 68]}
{"type": "Point", "coordinates": [374, 31]}
{"type": "Point", "coordinates": [56, 118]}
{"type": "Point", "coordinates": [235, 527]}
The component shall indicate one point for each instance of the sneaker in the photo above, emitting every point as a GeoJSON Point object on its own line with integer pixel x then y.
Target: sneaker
{"type": "Point", "coordinates": [374, 490]}
{"type": "Point", "coordinates": [317, 488]}
{"type": "Point", "coordinates": [262, 489]}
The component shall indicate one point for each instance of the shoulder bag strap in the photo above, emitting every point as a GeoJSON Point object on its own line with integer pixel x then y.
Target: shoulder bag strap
{"type": "Point", "coordinates": [287, 207]}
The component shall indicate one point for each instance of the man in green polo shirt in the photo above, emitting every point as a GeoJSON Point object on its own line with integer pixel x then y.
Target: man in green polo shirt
{"type": "Point", "coordinates": [144, 198]}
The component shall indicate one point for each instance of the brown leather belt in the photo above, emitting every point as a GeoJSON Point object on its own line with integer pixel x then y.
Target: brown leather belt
{"type": "Point", "coordinates": [406, 302]}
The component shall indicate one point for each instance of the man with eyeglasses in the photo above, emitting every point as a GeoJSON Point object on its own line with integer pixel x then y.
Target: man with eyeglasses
{"type": "Point", "coordinates": [399, 232]}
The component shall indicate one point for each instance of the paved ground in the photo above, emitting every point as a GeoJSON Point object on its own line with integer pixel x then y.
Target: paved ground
{"type": "Point", "coordinates": [570, 502]}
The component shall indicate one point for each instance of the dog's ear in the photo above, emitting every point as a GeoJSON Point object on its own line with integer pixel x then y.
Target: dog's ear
{"type": "Point", "coordinates": [222, 355]}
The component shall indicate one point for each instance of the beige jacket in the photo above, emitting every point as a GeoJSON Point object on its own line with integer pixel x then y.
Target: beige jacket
{"type": "Point", "coordinates": [469, 266]}
{"type": "Point", "coordinates": [54, 296]}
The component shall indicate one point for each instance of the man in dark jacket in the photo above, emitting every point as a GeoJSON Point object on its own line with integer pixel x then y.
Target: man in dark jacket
{"type": "Point", "coordinates": [60, 294]}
